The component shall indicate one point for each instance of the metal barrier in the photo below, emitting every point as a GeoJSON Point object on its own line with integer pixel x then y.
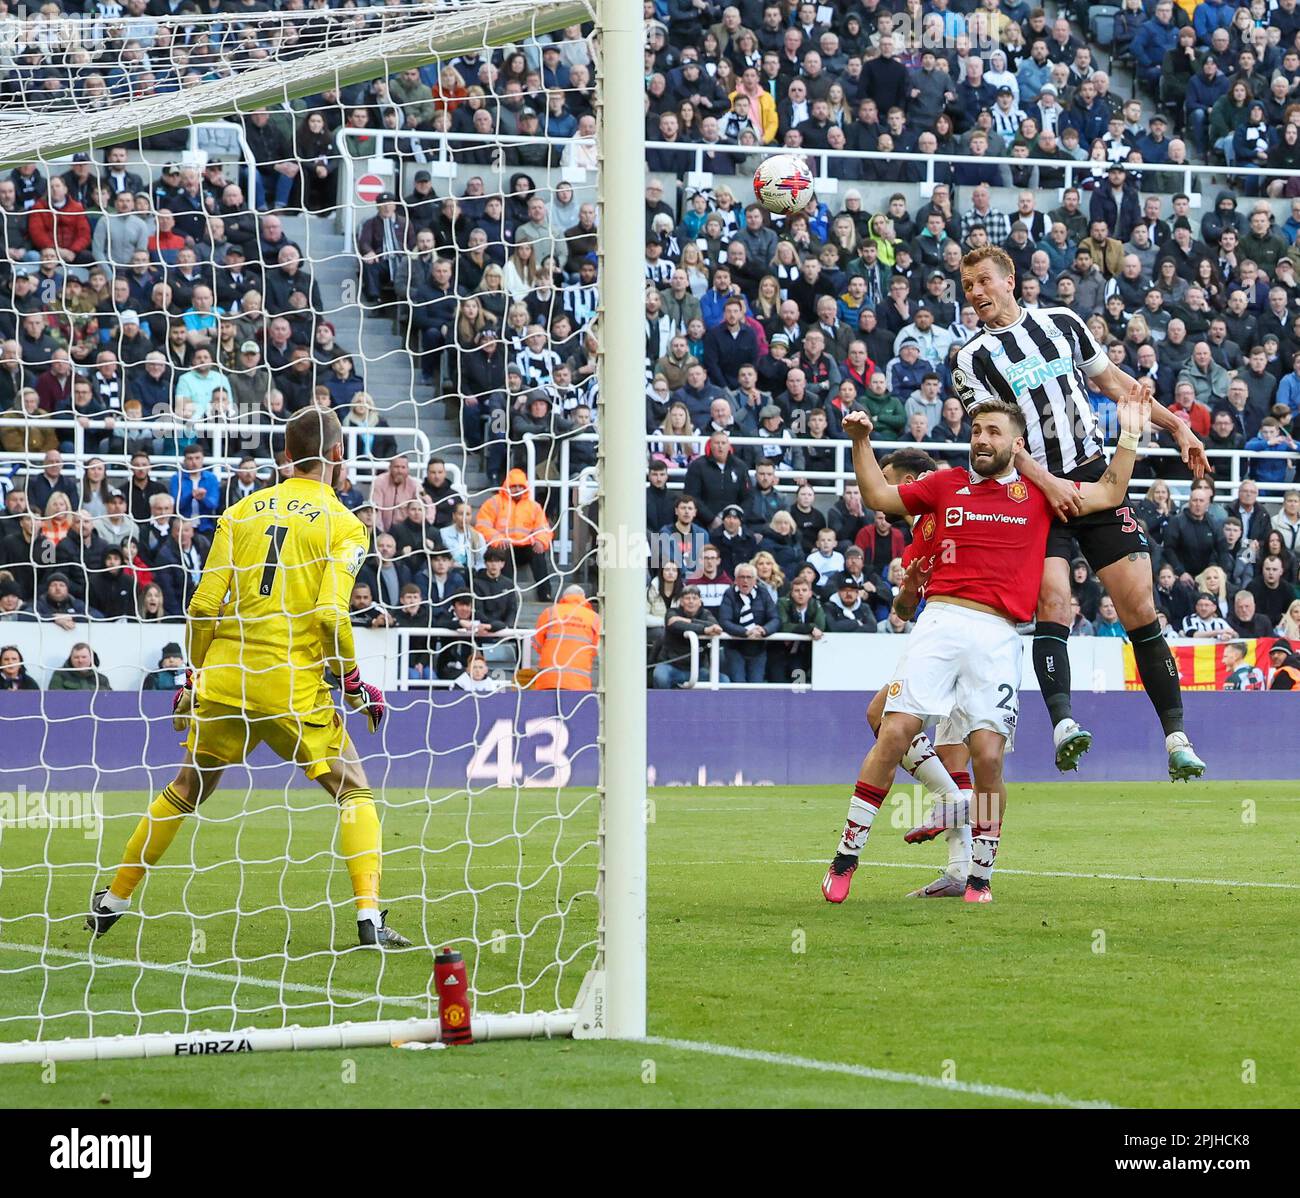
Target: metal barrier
{"type": "Point", "coordinates": [362, 469]}
{"type": "Point", "coordinates": [523, 637]}
{"type": "Point", "coordinates": [715, 659]}
{"type": "Point", "coordinates": [442, 162]}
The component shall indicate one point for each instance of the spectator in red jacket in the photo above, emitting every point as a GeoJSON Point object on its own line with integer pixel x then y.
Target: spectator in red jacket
{"type": "Point", "coordinates": [880, 543]}
{"type": "Point", "coordinates": [58, 222]}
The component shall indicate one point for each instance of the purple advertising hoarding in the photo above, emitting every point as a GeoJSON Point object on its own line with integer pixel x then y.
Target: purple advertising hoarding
{"type": "Point", "coordinates": [750, 737]}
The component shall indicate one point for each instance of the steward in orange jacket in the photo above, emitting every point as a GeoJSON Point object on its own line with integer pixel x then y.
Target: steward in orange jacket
{"type": "Point", "coordinates": [514, 521]}
{"type": "Point", "coordinates": [566, 639]}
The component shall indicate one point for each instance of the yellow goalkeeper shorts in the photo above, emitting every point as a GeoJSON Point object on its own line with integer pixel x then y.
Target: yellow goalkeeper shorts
{"type": "Point", "coordinates": [228, 735]}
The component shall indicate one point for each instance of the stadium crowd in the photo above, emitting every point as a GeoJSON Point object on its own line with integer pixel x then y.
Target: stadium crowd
{"type": "Point", "coordinates": [180, 299]}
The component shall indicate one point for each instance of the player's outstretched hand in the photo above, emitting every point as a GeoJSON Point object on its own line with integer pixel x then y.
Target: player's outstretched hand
{"type": "Point", "coordinates": [917, 575]}
{"type": "Point", "coordinates": [362, 696]}
{"type": "Point", "coordinates": [858, 426]}
{"type": "Point", "coordinates": [1134, 410]}
{"type": "Point", "coordinates": [183, 703]}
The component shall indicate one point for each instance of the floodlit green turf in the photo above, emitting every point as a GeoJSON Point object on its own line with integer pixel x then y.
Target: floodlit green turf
{"type": "Point", "coordinates": [1141, 993]}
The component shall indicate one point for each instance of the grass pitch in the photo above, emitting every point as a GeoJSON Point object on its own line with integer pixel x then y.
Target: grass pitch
{"type": "Point", "coordinates": [1140, 952]}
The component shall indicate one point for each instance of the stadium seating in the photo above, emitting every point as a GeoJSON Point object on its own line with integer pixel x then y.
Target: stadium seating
{"type": "Point", "coordinates": [485, 363]}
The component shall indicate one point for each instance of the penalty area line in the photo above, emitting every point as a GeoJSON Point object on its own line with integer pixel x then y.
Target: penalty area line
{"type": "Point", "coordinates": [867, 1072]}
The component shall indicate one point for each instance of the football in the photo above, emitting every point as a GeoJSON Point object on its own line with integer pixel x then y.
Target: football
{"type": "Point", "coordinates": [783, 184]}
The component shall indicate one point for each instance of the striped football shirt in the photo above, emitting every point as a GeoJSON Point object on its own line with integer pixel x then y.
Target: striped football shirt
{"type": "Point", "coordinates": [1038, 363]}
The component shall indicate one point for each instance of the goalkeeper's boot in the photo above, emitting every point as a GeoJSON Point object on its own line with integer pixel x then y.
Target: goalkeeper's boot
{"type": "Point", "coordinates": [978, 891]}
{"type": "Point", "coordinates": [838, 879]}
{"type": "Point", "coordinates": [380, 935]}
{"type": "Point", "coordinates": [101, 918]}
{"type": "Point", "coordinates": [1072, 742]}
{"type": "Point", "coordinates": [944, 886]}
{"type": "Point", "coordinates": [1184, 765]}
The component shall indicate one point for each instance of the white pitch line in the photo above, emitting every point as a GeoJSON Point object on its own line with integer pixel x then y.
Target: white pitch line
{"type": "Point", "coordinates": [788, 1061]}
{"type": "Point", "coordinates": [212, 975]}
{"type": "Point", "coordinates": [1064, 873]}
{"type": "Point", "coordinates": [999, 870]}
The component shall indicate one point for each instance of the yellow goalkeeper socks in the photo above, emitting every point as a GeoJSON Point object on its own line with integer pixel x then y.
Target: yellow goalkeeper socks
{"type": "Point", "coordinates": [361, 839]}
{"type": "Point", "coordinates": [152, 837]}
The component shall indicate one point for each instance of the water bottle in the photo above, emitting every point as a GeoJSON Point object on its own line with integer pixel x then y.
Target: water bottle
{"type": "Point", "coordinates": [452, 985]}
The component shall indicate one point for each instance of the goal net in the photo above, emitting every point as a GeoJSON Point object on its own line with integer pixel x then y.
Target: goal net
{"type": "Point", "coordinates": [417, 217]}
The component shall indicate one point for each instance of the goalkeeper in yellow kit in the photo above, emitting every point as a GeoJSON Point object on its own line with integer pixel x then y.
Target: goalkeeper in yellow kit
{"type": "Point", "coordinates": [268, 616]}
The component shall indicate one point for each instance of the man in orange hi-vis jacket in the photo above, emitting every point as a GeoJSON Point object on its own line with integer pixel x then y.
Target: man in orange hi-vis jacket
{"type": "Point", "coordinates": [514, 520]}
{"type": "Point", "coordinates": [566, 638]}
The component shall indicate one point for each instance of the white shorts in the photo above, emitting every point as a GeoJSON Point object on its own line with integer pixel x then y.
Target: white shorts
{"type": "Point", "coordinates": [961, 669]}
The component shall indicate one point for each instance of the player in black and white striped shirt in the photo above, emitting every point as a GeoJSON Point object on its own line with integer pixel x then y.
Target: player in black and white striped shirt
{"type": "Point", "coordinates": [1044, 360]}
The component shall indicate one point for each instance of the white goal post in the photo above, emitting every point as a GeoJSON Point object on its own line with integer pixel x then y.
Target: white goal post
{"type": "Point", "coordinates": [611, 1000]}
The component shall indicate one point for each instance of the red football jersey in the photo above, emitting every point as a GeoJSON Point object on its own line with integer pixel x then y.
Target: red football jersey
{"type": "Point", "coordinates": [923, 543]}
{"type": "Point", "coordinates": [990, 538]}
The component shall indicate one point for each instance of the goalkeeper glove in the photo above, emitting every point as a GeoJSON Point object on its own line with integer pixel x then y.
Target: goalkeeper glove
{"type": "Point", "coordinates": [362, 696]}
{"type": "Point", "coordinates": [183, 703]}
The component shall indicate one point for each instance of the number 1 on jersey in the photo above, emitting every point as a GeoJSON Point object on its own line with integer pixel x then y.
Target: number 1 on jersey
{"type": "Point", "coordinates": [277, 533]}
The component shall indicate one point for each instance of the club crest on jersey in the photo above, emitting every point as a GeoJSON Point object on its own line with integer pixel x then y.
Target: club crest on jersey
{"type": "Point", "coordinates": [1018, 491]}
{"type": "Point", "coordinates": [895, 689]}
{"type": "Point", "coordinates": [927, 527]}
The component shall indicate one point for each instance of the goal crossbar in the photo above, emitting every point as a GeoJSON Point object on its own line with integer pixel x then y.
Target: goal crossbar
{"type": "Point", "coordinates": [453, 31]}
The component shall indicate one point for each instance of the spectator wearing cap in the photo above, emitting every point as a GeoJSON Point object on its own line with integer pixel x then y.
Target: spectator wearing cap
{"type": "Point", "coordinates": [1116, 202]}
{"type": "Point", "coordinates": [907, 371]}
{"type": "Point", "coordinates": [381, 241]}
{"type": "Point", "coordinates": [1153, 145]}
{"type": "Point", "coordinates": [777, 448]}
{"type": "Point", "coordinates": [847, 610]}
{"type": "Point", "coordinates": [422, 204]}
{"type": "Point", "coordinates": [57, 603]}
{"type": "Point", "coordinates": [538, 153]}
{"type": "Point", "coordinates": [116, 525]}
{"type": "Point", "coordinates": [119, 235]}
{"type": "Point", "coordinates": [733, 542]}
{"type": "Point", "coordinates": [133, 341]}
{"type": "Point", "coordinates": [1284, 666]}
{"type": "Point", "coordinates": [170, 674]}
{"type": "Point", "coordinates": [747, 615]}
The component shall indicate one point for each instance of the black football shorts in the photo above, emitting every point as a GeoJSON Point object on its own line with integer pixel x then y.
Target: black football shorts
{"type": "Point", "coordinates": [1101, 537]}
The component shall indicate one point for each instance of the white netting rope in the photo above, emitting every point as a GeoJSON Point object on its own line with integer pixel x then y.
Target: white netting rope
{"type": "Point", "coordinates": [248, 919]}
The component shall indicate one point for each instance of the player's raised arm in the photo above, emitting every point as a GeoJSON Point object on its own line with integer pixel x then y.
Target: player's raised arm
{"type": "Point", "coordinates": [877, 493]}
{"type": "Point", "coordinates": [1134, 410]}
{"type": "Point", "coordinates": [1115, 384]}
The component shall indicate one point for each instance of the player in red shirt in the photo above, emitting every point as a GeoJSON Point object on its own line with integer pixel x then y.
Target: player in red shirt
{"type": "Point", "coordinates": [943, 770]}
{"type": "Point", "coordinates": [963, 663]}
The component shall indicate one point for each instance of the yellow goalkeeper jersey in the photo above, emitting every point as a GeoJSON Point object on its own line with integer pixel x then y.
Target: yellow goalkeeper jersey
{"type": "Point", "coordinates": [279, 581]}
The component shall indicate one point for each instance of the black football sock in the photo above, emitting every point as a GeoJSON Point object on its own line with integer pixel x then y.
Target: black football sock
{"type": "Point", "coordinates": [1052, 666]}
{"type": "Point", "coordinates": [1159, 673]}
